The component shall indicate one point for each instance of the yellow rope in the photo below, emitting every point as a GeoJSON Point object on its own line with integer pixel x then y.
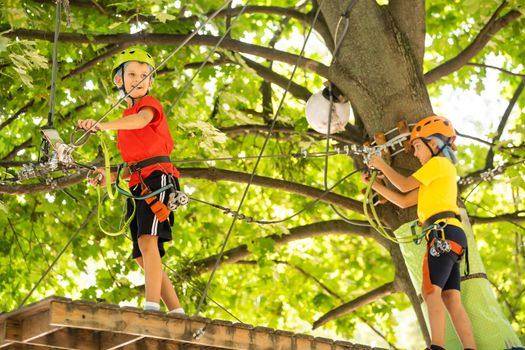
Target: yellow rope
{"type": "Point", "coordinates": [111, 194]}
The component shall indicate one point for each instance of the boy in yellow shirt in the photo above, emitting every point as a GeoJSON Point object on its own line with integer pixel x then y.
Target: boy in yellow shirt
{"type": "Point", "coordinates": [433, 188]}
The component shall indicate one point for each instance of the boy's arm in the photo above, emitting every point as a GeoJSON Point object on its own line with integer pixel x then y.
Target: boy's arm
{"type": "Point", "coordinates": [131, 122]}
{"type": "Point", "coordinates": [403, 183]}
{"type": "Point", "coordinates": [401, 200]}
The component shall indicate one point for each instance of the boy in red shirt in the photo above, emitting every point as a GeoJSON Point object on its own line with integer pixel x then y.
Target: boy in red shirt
{"type": "Point", "coordinates": [145, 143]}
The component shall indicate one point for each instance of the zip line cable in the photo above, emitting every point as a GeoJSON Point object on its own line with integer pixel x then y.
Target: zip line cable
{"type": "Point", "coordinates": [337, 45]}
{"type": "Point", "coordinates": [298, 155]}
{"type": "Point", "coordinates": [73, 236]}
{"type": "Point", "coordinates": [87, 132]}
{"type": "Point", "coordinates": [55, 66]}
{"type": "Point", "coordinates": [250, 219]}
{"type": "Point", "coordinates": [212, 51]}
{"type": "Point", "coordinates": [257, 163]}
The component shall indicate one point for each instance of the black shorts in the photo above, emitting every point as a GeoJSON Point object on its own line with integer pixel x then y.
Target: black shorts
{"type": "Point", "coordinates": [443, 271]}
{"type": "Point", "coordinates": [145, 222]}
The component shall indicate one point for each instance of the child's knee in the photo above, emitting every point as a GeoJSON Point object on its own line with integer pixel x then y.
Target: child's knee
{"type": "Point", "coordinates": [431, 293]}
{"type": "Point", "coordinates": [451, 298]}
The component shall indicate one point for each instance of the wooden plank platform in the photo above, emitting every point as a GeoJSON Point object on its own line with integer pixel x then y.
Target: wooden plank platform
{"type": "Point", "coordinates": [61, 323]}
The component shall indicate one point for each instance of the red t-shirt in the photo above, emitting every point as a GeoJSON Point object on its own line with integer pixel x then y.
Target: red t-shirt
{"type": "Point", "coordinates": [151, 141]}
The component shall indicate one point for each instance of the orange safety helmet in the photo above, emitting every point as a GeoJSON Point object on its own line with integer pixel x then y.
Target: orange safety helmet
{"type": "Point", "coordinates": [433, 125]}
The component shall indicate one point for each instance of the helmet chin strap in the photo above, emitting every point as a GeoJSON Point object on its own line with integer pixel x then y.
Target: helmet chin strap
{"type": "Point", "coordinates": [431, 150]}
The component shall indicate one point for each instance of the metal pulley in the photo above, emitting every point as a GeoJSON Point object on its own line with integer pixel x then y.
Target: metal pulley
{"type": "Point", "coordinates": [177, 199]}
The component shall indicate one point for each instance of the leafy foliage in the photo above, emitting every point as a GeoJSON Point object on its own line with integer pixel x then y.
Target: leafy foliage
{"type": "Point", "coordinates": [284, 286]}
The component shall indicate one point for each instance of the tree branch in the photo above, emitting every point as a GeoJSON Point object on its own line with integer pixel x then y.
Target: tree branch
{"type": "Point", "coordinates": [58, 184]}
{"type": "Point", "coordinates": [232, 256]}
{"type": "Point", "coordinates": [305, 18]}
{"type": "Point", "coordinates": [289, 12]}
{"type": "Point", "coordinates": [110, 51]}
{"type": "Point", "coordinates": [15, 150]}
{"type": "Point", "coordinates": [301, 271]}
{"type": "Point", "coordinates": [267, 74]}
{"type": "Point", "coordinates": [489, 161]}
{"type": "Point", "coordinates": [365, 299]}
{"type": "Point", "coordinates": [211, 174]}
{"type": "Point", "coordinates": [513, 217]}
{"type": "Point", "coordinates": [172, 39]}
{"type": "Point", "coordinates": [493, 26]}
{"type": "Point", "coordinates": [214, 174]}
{"type": "Point", "coordinates": [14, 116]}
{"type": "Point", "coordinates": [484, 175]}
{"type": "Point", "coordinates": [485, 142]}
{"type": "Point", "coordinates": [348, 137]}
{"type": "Point", "coordinates": [482, 65]}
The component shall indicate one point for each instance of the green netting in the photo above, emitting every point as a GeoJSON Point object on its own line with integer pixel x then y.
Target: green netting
{"type": "Point", "coordinates": [491, 328]}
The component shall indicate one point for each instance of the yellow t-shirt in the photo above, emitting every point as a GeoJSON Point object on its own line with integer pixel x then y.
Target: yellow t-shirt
{"type": "Point", "coordinates": [438, 191]}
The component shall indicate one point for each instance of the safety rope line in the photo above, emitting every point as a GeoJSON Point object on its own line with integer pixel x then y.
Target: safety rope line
{"type": "Point", "coordinates": [257, 163]}
{"type": "Point", "coordinates": [55, 66]}
{"type": "Point", "coordinates": [337, 45]}
{"type": "Point", "coordinates": [73, 236]}
{"type": "Point", "coordinates": [249, 219]}
{"type": "Point", "coordinates": [191, 284]}
{"type": "Point", "coordinates": [77, 143]}
{"type": "Point", "coordinates": [299, 155]}
{"type": "Point", "coordinates": [212, 51]}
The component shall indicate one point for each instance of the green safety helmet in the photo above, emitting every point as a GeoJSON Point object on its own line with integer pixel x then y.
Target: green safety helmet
{"type": "Point", "coordinates": [131, 54]}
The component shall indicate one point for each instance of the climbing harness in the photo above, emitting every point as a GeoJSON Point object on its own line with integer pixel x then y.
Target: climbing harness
{"type": "Point", "coordinates": [161, 211]}
{"type": "Point", "coordinates": [434, 234]}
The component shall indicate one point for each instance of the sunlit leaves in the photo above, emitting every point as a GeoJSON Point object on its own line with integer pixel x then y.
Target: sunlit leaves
{"type": "Point", "coordinates": [278, 285]}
